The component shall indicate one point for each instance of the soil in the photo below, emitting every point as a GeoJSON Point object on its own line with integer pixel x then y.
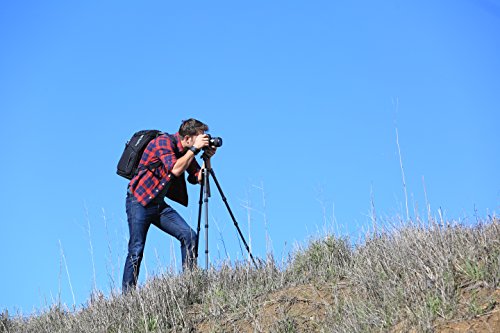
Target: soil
{"type": "Point", "coordinates": [304, 308]}
{"type": "Point", "coordinates": [301, 307]}
{"type": "Point", "coordinates": [487, 304]}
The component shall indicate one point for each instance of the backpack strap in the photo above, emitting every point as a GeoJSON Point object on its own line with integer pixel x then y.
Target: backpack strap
{"type": "Point", "coordinates": [152, 166]}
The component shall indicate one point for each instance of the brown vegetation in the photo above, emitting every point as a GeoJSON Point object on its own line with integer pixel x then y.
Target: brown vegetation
{"type": "Point", "coordinates": [406, 278]}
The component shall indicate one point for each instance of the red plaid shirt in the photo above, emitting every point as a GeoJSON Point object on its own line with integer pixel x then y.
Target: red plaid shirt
{"type": "Point", "coordinates": [148, 184]}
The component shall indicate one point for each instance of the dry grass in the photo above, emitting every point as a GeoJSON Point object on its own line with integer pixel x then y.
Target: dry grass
{"type": "Point", "coordinates": [407, 277]}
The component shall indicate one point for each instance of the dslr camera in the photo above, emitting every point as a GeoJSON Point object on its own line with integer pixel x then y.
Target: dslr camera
{"type": "Point", "coordinates": [214, 141]}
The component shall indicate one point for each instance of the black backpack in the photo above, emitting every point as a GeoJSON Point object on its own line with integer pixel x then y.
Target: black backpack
{"type": "Point", "coordinates": [131, 156]}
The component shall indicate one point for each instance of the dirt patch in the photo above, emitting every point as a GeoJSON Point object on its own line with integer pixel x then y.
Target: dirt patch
{"type": "Point", "coordinates": [304, 308]}
{"type": "Point", "coordinates": [486, 323]}
{"type": "Point", "coordinates": [487, 304]}
{"type": "Point", "coordinates": [299, 308]}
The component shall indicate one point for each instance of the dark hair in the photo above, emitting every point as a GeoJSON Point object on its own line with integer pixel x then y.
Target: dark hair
{"type": "Point", "coordinates": [192, 127]}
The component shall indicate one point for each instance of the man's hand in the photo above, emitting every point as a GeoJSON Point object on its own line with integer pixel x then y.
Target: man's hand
{"type": "Point", "coordinates": [210, 151]}
{"type": "Point", "coordinates": [201, 141]}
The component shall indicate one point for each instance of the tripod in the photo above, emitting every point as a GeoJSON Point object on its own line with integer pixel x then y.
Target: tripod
{"type": "Point", "coordinates": [204, 195]}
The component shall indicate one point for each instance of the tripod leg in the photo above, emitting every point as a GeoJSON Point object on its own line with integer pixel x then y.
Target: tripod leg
{"type": "Point", "coordinates": [199, 218]}
{"type": "Point", "coordinates": [207, 194]}
{"type": "Point", "coordinates": [232, 216]}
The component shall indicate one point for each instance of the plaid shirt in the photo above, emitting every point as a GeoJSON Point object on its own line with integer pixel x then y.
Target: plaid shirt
{"type": "Point", "coordinates": [148, 184]}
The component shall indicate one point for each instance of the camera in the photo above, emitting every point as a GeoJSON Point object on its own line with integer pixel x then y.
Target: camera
{"type": "Point", "coordinates": [215, 141]}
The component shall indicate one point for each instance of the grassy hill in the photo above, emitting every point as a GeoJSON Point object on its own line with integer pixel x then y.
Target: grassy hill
{"type": "Point", "coordinates": [437, 277]}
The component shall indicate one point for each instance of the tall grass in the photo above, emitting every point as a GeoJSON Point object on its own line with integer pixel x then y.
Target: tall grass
{"type": "Point", "coordinates": [408, 276]}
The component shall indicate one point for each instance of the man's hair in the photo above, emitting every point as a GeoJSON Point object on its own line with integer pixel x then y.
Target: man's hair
{"type": "Point", "coordinates": [192, 127]}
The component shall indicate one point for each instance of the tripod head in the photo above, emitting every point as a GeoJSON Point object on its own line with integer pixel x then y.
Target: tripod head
{"type": "Point", "coordinates": [204, 156]}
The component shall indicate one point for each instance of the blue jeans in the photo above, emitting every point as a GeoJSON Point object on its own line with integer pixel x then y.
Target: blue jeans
{"type": "Point", "coordinates": [168, 220]}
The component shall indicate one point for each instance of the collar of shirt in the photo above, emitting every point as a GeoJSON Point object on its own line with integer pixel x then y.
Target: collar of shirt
{"type": "Point", "coordinates": [178, 140]}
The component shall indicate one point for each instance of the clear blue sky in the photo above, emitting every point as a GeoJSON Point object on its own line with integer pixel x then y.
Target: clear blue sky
{"type": "Point", "coordinates": [307, 96]}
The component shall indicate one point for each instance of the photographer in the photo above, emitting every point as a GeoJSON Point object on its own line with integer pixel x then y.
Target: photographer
{"type": "Point", "coordinates": [145, 204]}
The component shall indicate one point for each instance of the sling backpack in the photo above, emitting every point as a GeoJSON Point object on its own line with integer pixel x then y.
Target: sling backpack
{"type": "Point", "coordinates": [132, 154]}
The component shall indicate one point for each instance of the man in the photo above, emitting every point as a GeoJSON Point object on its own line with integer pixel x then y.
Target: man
{"type": "Point", "coordinates": [161, 174]}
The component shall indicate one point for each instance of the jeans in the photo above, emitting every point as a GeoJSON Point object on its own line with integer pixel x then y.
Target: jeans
{"type": "Point", "coordinates": [168, 220]}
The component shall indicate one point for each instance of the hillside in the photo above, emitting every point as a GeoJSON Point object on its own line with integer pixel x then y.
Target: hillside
{"type": "Point", "coordinates": [437, 277]}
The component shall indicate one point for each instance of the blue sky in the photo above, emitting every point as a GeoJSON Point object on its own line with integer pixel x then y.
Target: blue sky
{"type": "Point", "coordinates": [307, 96]}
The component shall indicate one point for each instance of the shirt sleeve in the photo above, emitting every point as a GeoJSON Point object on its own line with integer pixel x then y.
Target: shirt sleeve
{"type": "Point", "coordinates": [193, 172]}
{"type": "Point", "coordinates": [166, 154]}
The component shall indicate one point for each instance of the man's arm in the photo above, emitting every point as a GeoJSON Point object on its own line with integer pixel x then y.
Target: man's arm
{"type": "Point", "coordinates": [183, 163]}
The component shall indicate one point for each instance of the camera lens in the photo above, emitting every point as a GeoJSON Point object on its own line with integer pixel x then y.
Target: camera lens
{"type": "Point", "coordinates": [215, 142]}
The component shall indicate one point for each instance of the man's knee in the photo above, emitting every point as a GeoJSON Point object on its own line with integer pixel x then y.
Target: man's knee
{"type": "Point", "coordinates": [189, 237]}
{"type": "Point", "coordinates": [135, 253]}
